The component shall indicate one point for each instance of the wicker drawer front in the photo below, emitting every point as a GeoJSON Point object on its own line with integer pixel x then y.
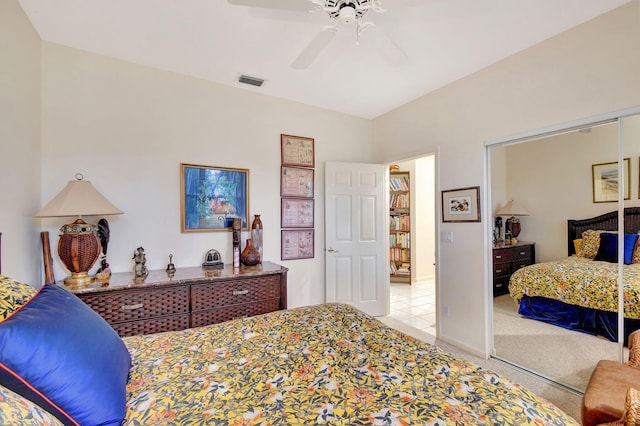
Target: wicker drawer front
{"type": "Point", "coordinates": [228, 313]}
{"type": "Point", "coordinates": [131, 305]}
{"type": "Point", "coordinates": [155, 325]}
{"type": "Point", "coordinates": [211, 295]}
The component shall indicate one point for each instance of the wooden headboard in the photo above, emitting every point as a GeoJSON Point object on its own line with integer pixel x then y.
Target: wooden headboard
{"type": "Point", "coordinates": [607, 222]}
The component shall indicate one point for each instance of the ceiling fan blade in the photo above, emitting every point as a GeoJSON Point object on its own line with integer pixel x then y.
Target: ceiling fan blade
{"type": "Point", "coordinates": [297, 5]}
{"type": "Point", "coordinates": [387, 48]}
{"type": "Point", "coordinates": [313, 49]}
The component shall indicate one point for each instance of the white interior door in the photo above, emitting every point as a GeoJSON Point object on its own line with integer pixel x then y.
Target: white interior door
{"type": "Point", "coordinates": [355, 243]}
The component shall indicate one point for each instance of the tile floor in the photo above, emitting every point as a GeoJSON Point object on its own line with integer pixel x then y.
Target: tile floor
{"type": "Point", "coordinates": [415, 305]}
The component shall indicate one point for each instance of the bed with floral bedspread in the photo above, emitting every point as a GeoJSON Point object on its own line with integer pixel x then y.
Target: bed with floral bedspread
{"type": "Point", "coordinates": [326, 364]}
{"type": "Point", "coordinates": [580, 281]}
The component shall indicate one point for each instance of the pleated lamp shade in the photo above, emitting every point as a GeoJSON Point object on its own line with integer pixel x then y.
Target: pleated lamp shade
{"type": "Point", "coordinates": [79, 245]}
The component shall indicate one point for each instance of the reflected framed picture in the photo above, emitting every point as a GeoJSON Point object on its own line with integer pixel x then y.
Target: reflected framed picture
{"type": "Point", "coordinates": [212, 197]}
{"type": "Point", "coordinates": [461, 205]}
{"type": "Point", "coordinates": [297, 151]}
{"type": "Point", "coordinates": [296, 182]}
{"type": "Point", "coordinates": [297, 244]}
{"type": "Point", "coordinates": [606, 181]}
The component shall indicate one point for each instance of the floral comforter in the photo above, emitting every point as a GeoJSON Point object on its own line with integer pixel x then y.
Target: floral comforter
{"type": "Point", "coordinates": [326, 364]}
{"type": "Point", "coordinates": [580, 281]}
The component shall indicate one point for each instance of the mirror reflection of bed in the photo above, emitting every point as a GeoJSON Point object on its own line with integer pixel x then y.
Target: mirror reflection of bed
{"type": "Point", "coordinates": [552, 177]}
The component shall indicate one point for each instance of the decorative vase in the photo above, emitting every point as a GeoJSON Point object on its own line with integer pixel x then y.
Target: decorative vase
{"type": "Point", "coordinates": [250, 255]}
{"type": "Point", "coordinates": [256, 235]}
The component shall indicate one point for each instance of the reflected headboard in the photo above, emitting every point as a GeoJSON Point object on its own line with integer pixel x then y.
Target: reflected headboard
{"type": "Point", "coordinates": [607, 222]}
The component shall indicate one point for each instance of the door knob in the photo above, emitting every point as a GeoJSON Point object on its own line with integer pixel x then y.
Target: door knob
{"type": "Point", "coordinates": [332, 250]}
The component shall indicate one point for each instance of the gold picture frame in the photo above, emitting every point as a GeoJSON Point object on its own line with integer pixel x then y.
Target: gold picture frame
{"type": "Point", "coordinates": [211, 197]}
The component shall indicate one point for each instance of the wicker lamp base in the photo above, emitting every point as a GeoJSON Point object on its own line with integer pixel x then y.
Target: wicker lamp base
{"type": "Point", "coordinates": [79, 249]}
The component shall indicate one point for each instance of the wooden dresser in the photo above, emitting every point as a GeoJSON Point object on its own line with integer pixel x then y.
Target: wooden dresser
{"type": "Point", "coordinates": [191, 298]}
{"type": "Point", "coordinates": [507, 259]}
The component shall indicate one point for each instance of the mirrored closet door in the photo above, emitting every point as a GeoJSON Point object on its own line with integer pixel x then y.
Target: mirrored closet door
{"type": "Point", "coordinates": [555, 308]}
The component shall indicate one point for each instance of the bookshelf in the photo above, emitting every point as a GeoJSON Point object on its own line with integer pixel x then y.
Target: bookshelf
{"type": "Point", "coordinates": [399, 227]}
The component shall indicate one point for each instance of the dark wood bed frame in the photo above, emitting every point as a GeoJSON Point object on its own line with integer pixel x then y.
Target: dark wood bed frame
{"type": "Point", "coordinates": [607, 222]}
{"type": "Point", "coordinates": [587, 320]}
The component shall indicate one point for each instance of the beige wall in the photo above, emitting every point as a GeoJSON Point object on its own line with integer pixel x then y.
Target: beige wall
{"type": "Point", "coordinates": [552, 179]}
{"type": "Point", "coordinates": [127, 128]}
{"type": "Point", "coordinates": [425, 222]}
{"type": "Point", "coordinates": [19, 143]}
{"type": "Point", "coordinates": [586, 71]}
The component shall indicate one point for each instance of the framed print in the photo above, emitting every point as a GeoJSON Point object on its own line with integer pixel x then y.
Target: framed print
{"type": "Point", "coordinates": [211, 197]}
{"type": "Point", "coordinates": [461, 205]}
{"type": "Point", "coordinates": [605, 181]}
{"type": "Point", "coordinates": [296, 182]}
{"type": "Point", "coordinates": [297, 244]}
{"type": "Point", "coordinates": [297, 151]}
{"type": "Point", "coordinates": [296, 213]}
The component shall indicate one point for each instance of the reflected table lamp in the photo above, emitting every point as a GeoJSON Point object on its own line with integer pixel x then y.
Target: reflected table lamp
{"type": "Point", "coordinates": [512, 224]}
{"type": "Point", "coordinates": [79, 246]}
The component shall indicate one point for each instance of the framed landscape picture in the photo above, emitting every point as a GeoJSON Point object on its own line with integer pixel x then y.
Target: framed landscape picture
{"type": "Point", "coordinates": [605, 181]}
{"type": "Point", "coordinates": [211, 197]}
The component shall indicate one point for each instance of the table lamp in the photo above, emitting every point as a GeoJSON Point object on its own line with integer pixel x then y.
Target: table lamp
{"type": "Point", "coordinates": [512, 224]}
{"type": "Point", "coordinates": [79, 245]}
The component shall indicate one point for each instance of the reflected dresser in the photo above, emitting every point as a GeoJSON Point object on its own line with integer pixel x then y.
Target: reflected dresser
{"type": "Point", "coordinates": [508, 258]}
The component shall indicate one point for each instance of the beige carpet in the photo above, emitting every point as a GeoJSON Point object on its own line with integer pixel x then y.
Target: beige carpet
{"type": "Point", "coordinates": [568, 401]}
{"type": "Point", "coordinates": [563, 355]}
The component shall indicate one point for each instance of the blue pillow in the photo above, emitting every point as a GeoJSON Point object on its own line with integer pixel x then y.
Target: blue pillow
{"type": "Point", "coordinates": [60, 354]}
{"type": "Point", "coordinates": [608, 250]}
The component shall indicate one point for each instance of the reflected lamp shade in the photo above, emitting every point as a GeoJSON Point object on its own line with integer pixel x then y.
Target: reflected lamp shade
{"type": "Point", "coordinates": [513, 209]}
{"type": "Point", "coordinates": [79, 245]}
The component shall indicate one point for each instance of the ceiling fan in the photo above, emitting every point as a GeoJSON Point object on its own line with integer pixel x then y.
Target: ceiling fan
{"type": "Point", "coordinates": [342, 13]}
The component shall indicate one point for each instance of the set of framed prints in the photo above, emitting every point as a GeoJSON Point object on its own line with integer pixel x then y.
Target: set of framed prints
{"type": "Point", "coordinates": [297, 209]}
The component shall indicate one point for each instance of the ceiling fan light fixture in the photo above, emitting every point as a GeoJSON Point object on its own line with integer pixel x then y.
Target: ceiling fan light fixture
{"type": "Point", "coordinates": [253, 81]}
{"type": "Point", "coordinates": [347, 15]}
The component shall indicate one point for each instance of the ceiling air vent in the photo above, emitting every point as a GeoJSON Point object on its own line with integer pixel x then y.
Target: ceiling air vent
{"type": "Point", "coordinates": [254, 81]}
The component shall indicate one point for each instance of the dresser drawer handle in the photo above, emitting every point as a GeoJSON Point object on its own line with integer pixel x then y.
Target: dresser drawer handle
{"type": "Point", "coordinates": [240, 292]}
{"type": "Point", "coordinates": [499, 257]}
{"type": "Point", "coordinates": [522, 253]}
{"type": "Point", "coordinates": [132, 307]}
{"type": "Point", "coordinates": [498, 271]}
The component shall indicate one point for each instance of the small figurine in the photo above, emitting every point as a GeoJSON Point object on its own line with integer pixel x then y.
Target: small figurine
{"type": "Point", "coordinates": [171, 268]}
{"type": "Point", "coordinates": [140, 268]}
{"type": "Point", "coordinates": [104, 272]}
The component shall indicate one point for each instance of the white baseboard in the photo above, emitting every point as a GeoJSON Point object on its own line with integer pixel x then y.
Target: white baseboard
{"type": "Point", "coordinates": [462, 346]}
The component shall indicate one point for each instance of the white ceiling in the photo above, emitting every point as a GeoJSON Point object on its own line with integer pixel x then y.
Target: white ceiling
{"type": "Point", "coordinates": [444, 40]}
